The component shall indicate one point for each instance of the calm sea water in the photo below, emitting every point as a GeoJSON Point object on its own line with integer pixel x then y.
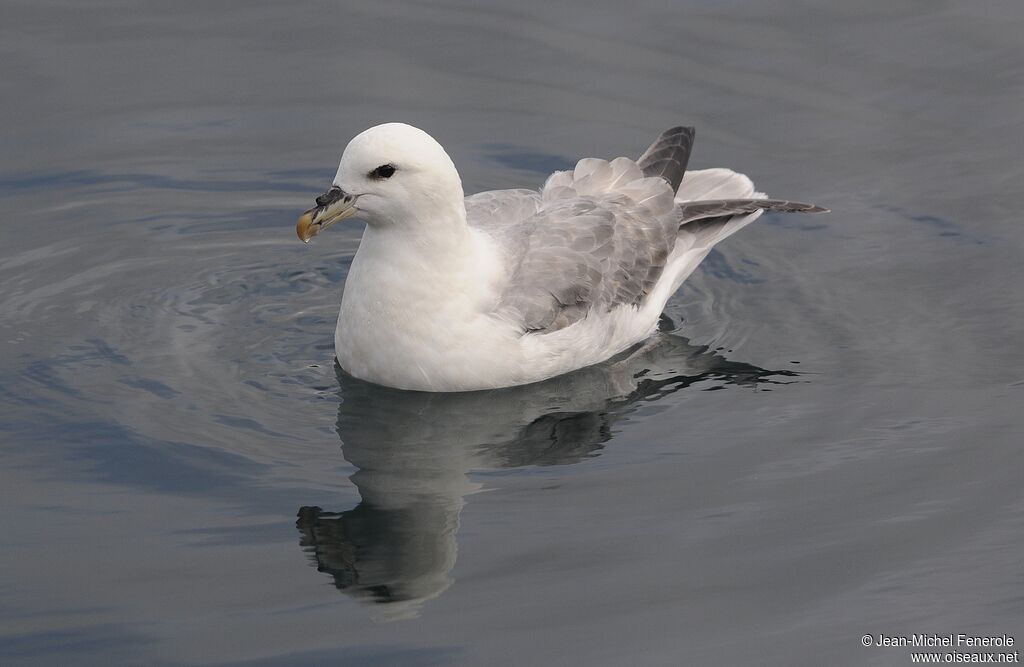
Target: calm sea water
{"type": "Point", "coordinates": [825, 441]}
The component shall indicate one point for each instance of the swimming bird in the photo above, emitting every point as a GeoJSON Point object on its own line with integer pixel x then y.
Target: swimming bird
{"type": "Point", "coordinates": [508, 287]}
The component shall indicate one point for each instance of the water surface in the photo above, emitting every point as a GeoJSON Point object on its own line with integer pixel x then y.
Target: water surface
{"type": "Point", "coordinates": [823, 441]}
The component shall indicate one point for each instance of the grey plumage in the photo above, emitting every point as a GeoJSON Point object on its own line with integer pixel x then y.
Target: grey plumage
{"type": "Point", "coordinates": [599, 236]}
{"type": "Point", "coordinates": [579, 255]}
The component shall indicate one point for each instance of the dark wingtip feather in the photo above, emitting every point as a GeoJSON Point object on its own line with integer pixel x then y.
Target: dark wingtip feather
{"type": "Point", "coordinates": [718, 208]}
{"type": "Point", "coordinates": [798, 207]}
{"type": "Point", "coordinates": [668, 156]}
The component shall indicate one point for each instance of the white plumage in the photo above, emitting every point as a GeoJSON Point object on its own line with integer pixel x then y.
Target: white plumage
{"type": "Point", "coordinates": [503, 288]}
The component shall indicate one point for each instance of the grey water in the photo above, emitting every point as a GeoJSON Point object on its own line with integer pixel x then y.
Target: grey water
{"type": "Point", "coordinates": [823, 441]}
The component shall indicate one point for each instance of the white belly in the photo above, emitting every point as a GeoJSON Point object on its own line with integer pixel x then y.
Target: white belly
{"type": "Point", "coordinates": [404, 326]}
{"type": "Point", "coordinates": [421, 349]}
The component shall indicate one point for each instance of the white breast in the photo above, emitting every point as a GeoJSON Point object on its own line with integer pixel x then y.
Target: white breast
{"type": "Point", "coordinates": [415, 320]}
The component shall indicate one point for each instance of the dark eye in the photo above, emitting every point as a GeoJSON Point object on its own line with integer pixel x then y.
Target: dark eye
{"type": "Point", "coordinates": [382, 172]}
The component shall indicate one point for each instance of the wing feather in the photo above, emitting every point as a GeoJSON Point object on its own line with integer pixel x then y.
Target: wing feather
{"type": "Point", "coordinates": [668, 156]}
{"type": "Point", "coordinates": [716, 208]}
{"type": "Point", "coordinates": [579, 255]}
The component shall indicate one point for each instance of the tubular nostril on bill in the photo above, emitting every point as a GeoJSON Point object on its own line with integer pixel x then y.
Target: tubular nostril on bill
{"type": "Point", "coordinates": [329, 197]}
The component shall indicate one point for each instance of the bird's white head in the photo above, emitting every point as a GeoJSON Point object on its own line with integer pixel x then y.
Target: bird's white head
{"type": "Point", "coordinates": [391, 175]}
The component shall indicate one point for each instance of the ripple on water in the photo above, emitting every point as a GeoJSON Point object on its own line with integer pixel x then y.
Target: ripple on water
{"type": "Point", "coordinates": [222, 335]}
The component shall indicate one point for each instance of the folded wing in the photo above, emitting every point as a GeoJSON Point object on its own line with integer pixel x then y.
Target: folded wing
{"type": "Point", "coordinates": [599, 236]}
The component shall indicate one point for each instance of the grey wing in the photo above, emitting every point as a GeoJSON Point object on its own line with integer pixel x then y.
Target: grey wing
{"type": "Point", "coordinates": [580, 256]}
{"type": "Point", "coordinates": [599, 236]}
{"type": "Point", "coordinates": [500, 211]}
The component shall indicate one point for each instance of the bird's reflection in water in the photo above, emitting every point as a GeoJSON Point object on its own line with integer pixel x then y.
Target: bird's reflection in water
{"type": "Point", "coordinates": [413, 451]}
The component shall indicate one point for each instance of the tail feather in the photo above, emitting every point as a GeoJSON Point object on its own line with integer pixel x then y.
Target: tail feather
{"type": "Point", "coordinates": [702, 184]}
